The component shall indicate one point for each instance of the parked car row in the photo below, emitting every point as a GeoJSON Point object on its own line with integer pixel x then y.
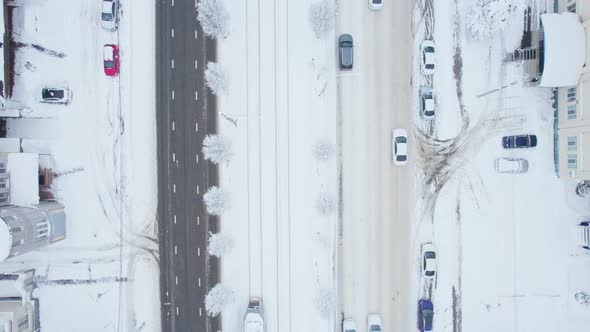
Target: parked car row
{"type": "Point", "coordinates": [109, 21]}
{"type": "Point", "coordinates": [515, 165]}
{"type": "Point", "coordinates": [373, 324]}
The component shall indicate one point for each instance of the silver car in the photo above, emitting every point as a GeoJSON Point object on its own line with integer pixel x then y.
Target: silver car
{"type": "Point", "coordinates": [511, 165]}
{"type": "Point", "coordinates": [109, 16]}
{"type": "Point", "coordinates": [345, 55]}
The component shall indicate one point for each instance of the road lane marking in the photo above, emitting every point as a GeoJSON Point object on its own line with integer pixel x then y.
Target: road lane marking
{"type": "Point", "coordinates": [200, 313]}
{"type": "Point", "coordinates": [173, 125]}
{"type": "Point", "coordinates": [176, 277]}
{"type": "Point", "coordinates": [174, 187]}
{"type": "Point", "coordinates": [198, 220]}
{"type": "Point", "coordinates": [172, 32]}
{"type": "Point", "coordinates": [174, 219]}
{"type": "Point", "coordinates": [197, 158]}
{"type": "Point", "coordinates": [172, 94]}
{"type": "Point", "coordinates": [196, 95]}
{"type": "Point", "coordinates": [196, 64]}
{"type": "Point", "coordinates": [172, 63]}
{"type": "Point", "coordinates": [196, 1]}
{"type": "Point", "coordinates": [175, 249]}
{"type": "Point", "coordinates": [172, 3]}
{"type": "Point", "coordinates": [195, 34]}
{"type": "Point", "coordinates": [199, 281]}
{"type": "Point", "coordinates": [176, 311]}
{"type": "Point", "coordinates": [199, 252]}
{"type": "Point", "coordinates": [196, 126]}
{"type": "Point", "coordinates": [173, 156]}
{"type": "Point", "coordinates": [197, 189]}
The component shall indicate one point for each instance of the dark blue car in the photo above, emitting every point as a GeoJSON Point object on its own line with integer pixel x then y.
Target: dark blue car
{"type": "Point", "coordinates": [519, 141]}
{"type": "Point", "coordinates": [425, 315]}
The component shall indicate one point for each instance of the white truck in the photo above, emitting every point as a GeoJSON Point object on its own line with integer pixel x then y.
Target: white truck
{"type": "Point", "coordinates": [254, 318]}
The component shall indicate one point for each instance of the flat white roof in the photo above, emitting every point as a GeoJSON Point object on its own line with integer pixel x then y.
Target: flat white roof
{"type": "Point", "coordinates": [23, 170]}
{"type": "Point", "coordinates": [565, 50]}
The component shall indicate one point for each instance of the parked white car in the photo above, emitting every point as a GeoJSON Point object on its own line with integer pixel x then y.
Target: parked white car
{"type": "Point", "coordinates": [375, 4]}
{"type": "Point", "coordinates": [428, 57]}
{"type": "Point", "coordinates": [428, 260]}
{"type": "Point", "coordinates": [427, 104]}
{"type": "Point", "coordinates": [109, 17]}
{"type": "Point", "coordinates": [374, 323]}
{"type": "Point", "coordinates": [56, 95]}
{"type": "Point", "coordinates": [511, 165]}
{"type": "Point", "coordinates": [348, 325]}
{"type": "Point", "coordinates": [254, 319]}
{"type": "Point", "coordinates": [399, 146]}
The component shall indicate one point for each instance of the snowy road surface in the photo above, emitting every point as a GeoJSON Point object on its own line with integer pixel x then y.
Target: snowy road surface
{"type": "Point", "coordinates": [374, 98]}
{"type": "Point", "coordinates": [282, 97]}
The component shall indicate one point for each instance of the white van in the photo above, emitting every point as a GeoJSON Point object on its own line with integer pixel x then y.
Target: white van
{"type": "Point", "coordinates": [254, 320]}
{"type": "Point", "coordinates": [584, 234]}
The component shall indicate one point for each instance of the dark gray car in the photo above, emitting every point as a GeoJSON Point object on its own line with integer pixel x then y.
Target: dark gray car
{"type": "Point", "coordinates": [345, 52]}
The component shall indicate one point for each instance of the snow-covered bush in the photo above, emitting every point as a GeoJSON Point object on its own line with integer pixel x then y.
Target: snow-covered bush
{"type": "Point", "coordinates": [488, 17]}
{"type": "Point", "coordinates": [219, 244]}
{"type": "Point", "coordinates": [325, 204]}
{"type": "Point", "coordinates": [216, 78]}
{"type": "Point", "coordinates": [322, 16]}
{"type": "Point", "coordinates": [214, 18]}
{"type": "Point", "coordinates": [325, 302]}
{"type": "Point", "coordinates": [217, 149]}
{"type": "Point", "coordinates": [217, 299]}
{"type": "Point", "coordinates": [323, 150]}
{"type": "Point", "coordinates": [217, 201]}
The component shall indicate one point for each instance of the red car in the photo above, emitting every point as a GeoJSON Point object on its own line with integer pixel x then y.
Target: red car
{"type": "Point", "coordinates": [111, 59]}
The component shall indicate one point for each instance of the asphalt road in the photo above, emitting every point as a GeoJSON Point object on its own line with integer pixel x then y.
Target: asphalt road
{"type": "Point", "coordinates": [185, 114]}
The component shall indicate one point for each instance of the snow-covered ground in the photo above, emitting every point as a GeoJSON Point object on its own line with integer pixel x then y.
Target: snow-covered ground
{"type": "Point", "coordinates": [282, 96]}
{"type": "Point", "coordinates": [104, 150]}
{"type": "Point", "coordinates": [508, 259]}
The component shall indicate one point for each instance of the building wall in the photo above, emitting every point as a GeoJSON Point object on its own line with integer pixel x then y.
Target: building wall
{"type": "Point", "coordinates": [573, 108]}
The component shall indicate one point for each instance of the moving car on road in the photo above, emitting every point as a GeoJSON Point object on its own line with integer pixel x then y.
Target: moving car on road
{"type": "Point", "coordinates": [427, 105]}
{"type": "Point", "coordinates": [345, 54]}
{"type": "Point", "coordinates": [348, 325]}
{"type": "Point", "coordinates": [254, 320]}
{"type": "Point", "coordinates": [428, 58]}
{"type": "Point", "coordinates": [519, 141]}
{"type": "Point", "coordinates": [425, 315]}
{"type": "Point", "coordinates": [374, 323]}
{"type": "Point", "coordinates": [375, 4]}
{"type": "Point", "coordinates": [428, 260]}
{"type": "Point", "coordinates": [56, 95]}
{"type": "Point", "coordinates": [111, 60]}
{"type": "Point", "coordinates": [399, 146]}
{"type": "Point", "coordinates": [109, 16]}
{"type": "Point", "coordinates": [511, 165]}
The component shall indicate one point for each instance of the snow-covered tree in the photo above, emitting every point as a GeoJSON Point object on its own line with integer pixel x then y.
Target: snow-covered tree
{"type": "Point", "coordinates": [583, 188]}
{"type": "Point", "coordinates": [488, 17]}
{"type": "Point", "coordinates": [322, 16]}
{"type": "Point", "coordinates": [216, 78]}
{"type": "Point", "coordinates": [325, 302]}
{"type": "Point", "coordinates": [217, 299]}
{"type": "Point", "coordinates": [219, 244]}
{"type": "Point", "coordinates": [325, 204]}
{"type": "Point", "coordinates": [214, 18]}
{"type": "Point", "coordinates": [323, 150]}
{"type": "Point", "coordinates": [217, 201]}
{"type": "Point", "coordinates": [217, 149]}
